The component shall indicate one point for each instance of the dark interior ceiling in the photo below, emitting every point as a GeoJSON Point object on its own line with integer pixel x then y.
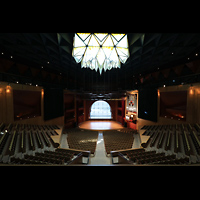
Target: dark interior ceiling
{"type": "Point", "coordinates": [52, 52]}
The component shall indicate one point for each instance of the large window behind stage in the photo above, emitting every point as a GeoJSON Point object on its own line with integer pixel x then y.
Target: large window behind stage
{"type": "Point", "coordinates": [100, 110]}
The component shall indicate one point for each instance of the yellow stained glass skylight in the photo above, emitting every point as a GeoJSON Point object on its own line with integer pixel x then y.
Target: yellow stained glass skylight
{"type": "Point", "coordinates": [100, 50]}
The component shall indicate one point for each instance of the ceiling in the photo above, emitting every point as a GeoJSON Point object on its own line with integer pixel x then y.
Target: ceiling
{"type": "Point", "coordinates": [52, 52]}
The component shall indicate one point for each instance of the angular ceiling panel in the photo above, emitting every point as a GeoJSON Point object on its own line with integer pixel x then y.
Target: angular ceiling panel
{"type": "Point", "coordinates": [148, 51]}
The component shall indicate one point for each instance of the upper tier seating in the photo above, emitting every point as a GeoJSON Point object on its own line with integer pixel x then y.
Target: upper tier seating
{"type": "Point", "coordinates": [178, 138]}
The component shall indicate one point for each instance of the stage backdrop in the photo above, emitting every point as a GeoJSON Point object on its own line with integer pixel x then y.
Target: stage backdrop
{"type": "Point", "coordinates": [27, 104]}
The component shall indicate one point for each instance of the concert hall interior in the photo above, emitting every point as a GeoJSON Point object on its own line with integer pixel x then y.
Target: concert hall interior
{"type": "Point", "coordinates": [100, 99]}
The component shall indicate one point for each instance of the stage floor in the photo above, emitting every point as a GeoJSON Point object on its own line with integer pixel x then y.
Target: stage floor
{"type": "Point", "coordinates": [100, 125]}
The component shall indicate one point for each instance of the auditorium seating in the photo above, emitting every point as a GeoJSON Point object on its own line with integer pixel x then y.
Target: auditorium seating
{"type": "Point", "coordinates": [32, 144]}
{"type": "Point", "coordinates": [118, 139]}
{"type": "Point", "coordinates": [58, 157]}
{"type": "Point", "coordinates": [178, 138]}
{"type": "Point", "coordinates": [82, 139]}
{"type": "Point", "coordinates": [141, 156]}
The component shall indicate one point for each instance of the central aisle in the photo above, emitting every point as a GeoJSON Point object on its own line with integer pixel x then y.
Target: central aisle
{"type": "Point", "coordinates": [100, 156]}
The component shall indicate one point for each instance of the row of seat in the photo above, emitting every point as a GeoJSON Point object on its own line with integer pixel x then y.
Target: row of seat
{"type": "Point", "coordinates": [59, 156]}
{"type": "Point", "coordinates": [185, 138]}
{"type": "Point", "coordinates": [118, 140]}
{"type": "Point", "coordinates": [141, 156]}
{"type": "Point", "coordinates": [14, 138]}
{"type": "Point", "coordinates": [18, 127]}
{"type": "Point", "coordinates": [82, 139]}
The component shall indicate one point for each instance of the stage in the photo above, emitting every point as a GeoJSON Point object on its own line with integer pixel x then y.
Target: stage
{"type": "Point", "coordinates": [100, 125]}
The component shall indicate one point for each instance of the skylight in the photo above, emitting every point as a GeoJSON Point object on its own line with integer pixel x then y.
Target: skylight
{"type": "Point", "coordinates": [100, 50]}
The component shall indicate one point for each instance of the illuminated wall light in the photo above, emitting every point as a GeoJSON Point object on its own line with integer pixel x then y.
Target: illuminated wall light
{"type": "Point", "coordinates": [42, 92]}
{"type": "Point", "coordinates": [8, 89]}
{"type": "Point", "coordinates": [1, 90]}
{"type": "Point", "coordinates": [158, 93]}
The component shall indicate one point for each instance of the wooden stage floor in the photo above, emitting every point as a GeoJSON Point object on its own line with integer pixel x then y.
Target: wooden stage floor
{"type": "Point", "coordinates": [100, 125]}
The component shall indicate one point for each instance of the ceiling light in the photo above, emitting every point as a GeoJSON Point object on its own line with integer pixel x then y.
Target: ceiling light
{"type": "Point", "coordinates": [172, 53]}
{"type": "Point", "coordinates": [2, 53]}
{"type": "Point", "coordinates": [11, 56]}
{"type": "Point", "coordinates": [100, 50]}
{"type": "Point", "coordinates": [196, 54]}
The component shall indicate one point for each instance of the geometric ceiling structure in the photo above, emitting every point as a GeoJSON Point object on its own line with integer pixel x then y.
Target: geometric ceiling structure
{"type": "Point", "coordinates": [50, 54]}
{"type": "Point", "coordinates": [100, 50]}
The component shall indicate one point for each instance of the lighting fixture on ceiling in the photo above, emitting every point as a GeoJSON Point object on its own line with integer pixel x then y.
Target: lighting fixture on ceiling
{"type": "Point", "coordinates": [100, 50]}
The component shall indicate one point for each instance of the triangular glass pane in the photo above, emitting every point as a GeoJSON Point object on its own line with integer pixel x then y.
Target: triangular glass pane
{"type": "Point", "coordinates": [123, 51]}
{"type": "Point", "coordinates": [108, 42]}
{"type": "Point", "coordinates": [105, 65]}
{"type": "Point", "coordinates": [83, 64]}
{"type": "Point", "coordinates": [93, 64]}
{"type": "Point", "coordinates": [78, 58]}
{"type": "Point", "coordinates": [91, 53]}
{"type": "Point", "coordinates": [101, 57]}
{"type": "Point", "coordinates": [101, 36]}
{"type": "Point", "coordinates": [107, 51]}
{"type": "Point", "coordinates": [93, 42]}
{"type": "Point", "coordinates": [83, 36]}
{"type": "Point", "coordinates": [113, 56]}
{"type": "Point", "coordinates": [123, 59]}
{"type": "Point", "coordinates": [87, 40]}
{"type": "Point", "coordinates": [78, 51]}
{"type": "Point", "coordinates": [114, 40]}
{"type": "Point", "coordinates": [123, 42]}
{"type": "Point", "coordinates": [100, 70]}
{"type": "Point", "coordinates": [78, 42]}
{"type": "Point", "coordinates": [96, 66]}
{"type": "Point", "coordinates": [118, 36]}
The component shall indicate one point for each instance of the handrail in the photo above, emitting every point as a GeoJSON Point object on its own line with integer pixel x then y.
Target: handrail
{"type": "Point", "coordinates": [161, 139]}
{"type": "Point", "coordinates": [22, 145]}
{"type": "Point", "coordinates": [2, 138]}
{"type": "Point", "coordinates": [38, 139]}
{"type": "Point", "coordinates": [45, 138]}
{"type": "Point", "coordinates": [153, 140]}
{"type": "Point", "coordinates": [168, 139]}
{"type": "Point", "coordinates": [30, 136]}
{"type": "Point", "coordinates": [187, 142]}
{"type": "Point", "coordinates": [11, 144]}
{"type": "Point", "coordinates": [177, 144]}
{"type": "Point", "coordinates": [196, 138]}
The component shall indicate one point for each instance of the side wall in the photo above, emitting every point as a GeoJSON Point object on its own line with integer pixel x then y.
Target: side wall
{"type": "Point", "coordinates": [193, 105]}
{"type": "Point", "coordinates": [6, 105]}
